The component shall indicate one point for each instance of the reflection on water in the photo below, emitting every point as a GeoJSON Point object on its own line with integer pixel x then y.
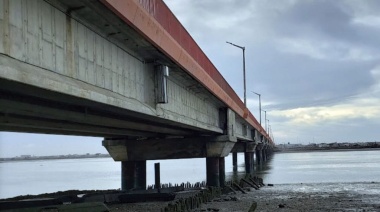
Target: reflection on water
{"type": "Point", "coordinates": [259, 170]}
{"type": "Point", "coordinates": [35, 177]}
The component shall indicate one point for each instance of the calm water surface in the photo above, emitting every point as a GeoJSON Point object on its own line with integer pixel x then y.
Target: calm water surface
{"type": "Point", "coordinates": [35, 177]}
{"type": "Point", "coordinates": [323, 167]}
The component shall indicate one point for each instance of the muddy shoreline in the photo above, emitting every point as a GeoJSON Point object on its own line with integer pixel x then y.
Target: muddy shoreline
{"type": "Point", "coordinates": [360, 196]}
{"type": "Point", "coordinates": [287, 198]}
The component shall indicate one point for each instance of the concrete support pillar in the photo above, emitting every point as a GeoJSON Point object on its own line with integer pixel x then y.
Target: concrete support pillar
{"type": "Point", "coordinates": [263, 157]}
{"type": "Point", "coordinates": [234, 161]}
{"type": "Point", "coordinates": [141, 175]}
{"type": "Point", "coordinates": [248, 157]}
{"type": "Point", "coordinates": [133, 175]}
{"type": "Point", "coordinates": [128, 173]}
{"type": "Point", "coordinates": [258, 156]}
{"type": "Point", "coordinates": [212, 172]}
{"type": "Point", "coordinates": [222, 172]}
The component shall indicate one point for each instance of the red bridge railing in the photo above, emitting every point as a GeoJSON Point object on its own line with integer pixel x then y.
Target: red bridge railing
{"type": "Point", "coordinates": [164, 16]}
{"type": "Point", "coordinates": [164, 20]}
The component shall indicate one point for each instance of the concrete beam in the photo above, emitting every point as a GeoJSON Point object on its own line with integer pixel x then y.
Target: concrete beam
{"type": "Point", "coordinates": [257, 136]}
{"type": "Point", "coordinates": [9, 122]}
{"type": "Point", "coordinates": [250, 146]}
{"type": "Point", "coordinates": [218, 148]}
{"type": "Point", "coordinates": [231, 125]}
{"type": "Point", "coordinates": [64, 114]}
{"type": "Point", "coordinates": [174, 148]}
{"type": "Point", "coordinates": [18, 72]}
{"type": "Point", "coordinates": [239, 147]}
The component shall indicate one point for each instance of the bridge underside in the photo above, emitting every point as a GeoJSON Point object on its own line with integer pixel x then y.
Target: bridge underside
{"type": "Point", "coordinates": [27, 108]}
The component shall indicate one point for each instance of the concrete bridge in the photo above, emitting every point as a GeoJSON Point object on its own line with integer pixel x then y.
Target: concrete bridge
{"type": "Point", "coordinates": [127, 71]}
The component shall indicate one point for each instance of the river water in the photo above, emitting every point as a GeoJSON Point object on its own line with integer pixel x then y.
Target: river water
{"type": "Point", "coordinates": [43, 176]}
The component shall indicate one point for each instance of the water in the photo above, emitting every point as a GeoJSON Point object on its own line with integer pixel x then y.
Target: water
{"type": "Point", "coordinates": [323, 167]}
{"type": "Point", "coordinates": [35, 177]}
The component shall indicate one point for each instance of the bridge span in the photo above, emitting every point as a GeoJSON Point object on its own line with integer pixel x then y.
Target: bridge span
{"type": "Point", "coordinates": [127, 71]}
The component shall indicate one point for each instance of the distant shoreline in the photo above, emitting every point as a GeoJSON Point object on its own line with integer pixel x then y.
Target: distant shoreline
{"type": "Point", "coordinates": [326, 150]}
{"type": "Point", "coordinates": [36, 158]}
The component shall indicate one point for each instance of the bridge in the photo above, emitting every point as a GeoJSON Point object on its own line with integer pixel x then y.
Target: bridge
{"type": "Point", "coordinates": [127, 71]}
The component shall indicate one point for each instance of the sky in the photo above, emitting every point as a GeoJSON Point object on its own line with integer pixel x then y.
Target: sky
{"type": "Point", "coordinates": [316, 64]}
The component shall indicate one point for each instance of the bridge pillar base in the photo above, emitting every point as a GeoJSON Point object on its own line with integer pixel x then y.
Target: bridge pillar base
{"type": "Point", "coordinates": [133, 175]}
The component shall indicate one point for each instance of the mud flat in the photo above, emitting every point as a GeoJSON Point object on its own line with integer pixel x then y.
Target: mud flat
{"type": "Point", "coordinates": [306, 197]}
{"type": "Point", "coordinates": [361, 196]}
{"type": "Point", "coordinates": [287, 197]}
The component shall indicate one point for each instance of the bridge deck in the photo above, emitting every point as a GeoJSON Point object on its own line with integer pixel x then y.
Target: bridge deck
{"type": "Point", "coordinates": [159, 25]}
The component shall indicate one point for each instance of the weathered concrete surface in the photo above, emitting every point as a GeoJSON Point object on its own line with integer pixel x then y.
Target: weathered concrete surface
{"type": "Point", "coordinates": [43, 47]}
{"type": "Point", "coordinates": [58, 52]}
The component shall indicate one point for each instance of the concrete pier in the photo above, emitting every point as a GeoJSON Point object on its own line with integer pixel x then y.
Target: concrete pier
{"type": "Point", "coordinates": [258, 156]}
{"type": "Point", "coordinates": [248, 157]}
{"type": "Point", "coordinates": [234, 161]}
{"type": "Point", "coordinates": [265, 156]}
{"type": "Point", "coordinates": [133, 175]}
{"type": "Point", "coordinates": [212, 169]}
{"type": "Point", "coordinates": [222, 172]}
{"type": "Point", "coordinates": [249, 152]}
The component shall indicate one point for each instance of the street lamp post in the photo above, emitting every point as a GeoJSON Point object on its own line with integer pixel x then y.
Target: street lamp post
{"type": "Point", "coordinates": [243, 48]}
{"type": "Point", "coordinates": [270, 132]}
{"type": "Point", "coordinates": [259, 103]}
{"type": "Point", "coordinates": [265, 118]}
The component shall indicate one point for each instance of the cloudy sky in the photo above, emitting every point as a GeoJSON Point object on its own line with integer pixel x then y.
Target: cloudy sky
{"type": "Point", "coordinates": [316, 64]}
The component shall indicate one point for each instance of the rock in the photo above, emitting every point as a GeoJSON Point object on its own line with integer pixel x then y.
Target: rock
{"type": "Point", "coordinates": [270, 184]}
{"type": "Point", "coordinates": [281, 205]}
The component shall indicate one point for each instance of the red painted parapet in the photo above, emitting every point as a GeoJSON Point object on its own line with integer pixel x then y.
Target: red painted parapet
{"type": "Point", "coordinates": [155, 21]}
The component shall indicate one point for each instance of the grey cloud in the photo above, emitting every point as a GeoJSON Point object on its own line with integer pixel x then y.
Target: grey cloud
{"type": "Point", "coordinates": [332, 20]}
{"type": "Point", "coordinates": [292, 79]}
{"type": "Point", "coordinates": [333, 68]}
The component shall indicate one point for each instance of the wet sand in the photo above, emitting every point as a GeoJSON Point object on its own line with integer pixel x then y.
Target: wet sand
{"type": "Point", "coordinates": [287, 197]}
